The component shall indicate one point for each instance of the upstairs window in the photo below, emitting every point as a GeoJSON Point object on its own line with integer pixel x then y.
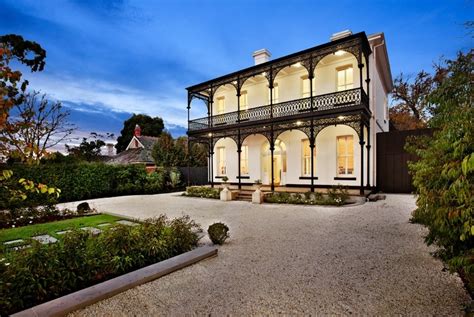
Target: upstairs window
{"type": "Point", "coordinates": [306, 158]}
{"type": "Point", "coordinates": [221, 164]}
{"type": "Point", "coordinates": [345, 77]}
{"type": "Point", "coordinates": [243, 101]}
{"type": "Point", "coordinates": [305, 87]}
{"type": "Point", "coordinates": [275, 93]}
{"type": "Point", "coordinates": [244, 160]}
{"type": "Point", "coordinates": [345, 155]}
{"type": "Point", "coordinates": [220, 105]}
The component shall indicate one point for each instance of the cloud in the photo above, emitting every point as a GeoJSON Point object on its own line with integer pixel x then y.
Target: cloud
{"type": "Point", "coordinates": [97, 96]}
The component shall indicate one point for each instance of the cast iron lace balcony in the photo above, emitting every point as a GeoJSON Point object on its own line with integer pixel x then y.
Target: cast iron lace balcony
{"type": "Point", "coordinates": [327, 102]}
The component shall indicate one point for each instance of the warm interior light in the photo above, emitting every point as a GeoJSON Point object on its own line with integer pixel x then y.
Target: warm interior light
{"type": "Point", "coordinates": [340, 53]}
{"type": "Point", "coordinates": [299, 123]}
{"type": "Point", "coordinates": [341, 117]}
{"type": "Point", "coordinates": [297, 65]}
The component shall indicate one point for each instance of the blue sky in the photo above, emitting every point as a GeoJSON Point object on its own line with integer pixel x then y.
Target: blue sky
{"type": "Point", "coordinates": [108, 59]}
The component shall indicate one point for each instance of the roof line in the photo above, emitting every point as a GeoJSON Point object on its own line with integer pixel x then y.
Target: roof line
{"type": "Point", "coordinates": [314, 48]}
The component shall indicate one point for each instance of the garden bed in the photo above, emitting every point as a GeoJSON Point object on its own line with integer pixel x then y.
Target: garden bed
{"type": "Point", "coordinates": [336, 196]}
{"type": "Point", "coordinates": [202, 192]}
{"type": "Point", "coordinates": [80, 259]}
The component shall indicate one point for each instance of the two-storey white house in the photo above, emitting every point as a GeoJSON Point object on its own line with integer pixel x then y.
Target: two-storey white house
{"type": "Point", "coordinates": [308, 119]}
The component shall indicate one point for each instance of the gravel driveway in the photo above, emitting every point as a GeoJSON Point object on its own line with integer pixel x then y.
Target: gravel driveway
{"type": "Point", "coordinates": [365, 260]}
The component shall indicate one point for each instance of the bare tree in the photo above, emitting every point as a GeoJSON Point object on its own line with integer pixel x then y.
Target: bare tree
{"type": "Point", "coordinates": [34, 126]}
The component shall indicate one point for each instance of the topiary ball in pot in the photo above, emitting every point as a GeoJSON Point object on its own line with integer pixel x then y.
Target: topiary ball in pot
{"type": "Point", "coordinates": [83, 208]}
{"type": "Point", "coordinates": [218, 232]}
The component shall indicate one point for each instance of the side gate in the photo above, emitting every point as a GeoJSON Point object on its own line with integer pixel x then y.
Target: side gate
{"type": "Point", "coordinates": [392, 160]}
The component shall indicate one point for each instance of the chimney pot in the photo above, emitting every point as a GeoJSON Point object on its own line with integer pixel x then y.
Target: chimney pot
{"type": "Point", "coordinates": [261, 56]}
{"type": "Point", "coordinates": [138, 131]}
{"type": "Point", "coordinates": [340, 35]}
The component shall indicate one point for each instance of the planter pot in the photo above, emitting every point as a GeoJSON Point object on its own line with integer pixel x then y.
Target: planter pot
{"type": "Point", "coordinates": [225, 194]}
{"type": "Point", "coordinates": [257, 196]}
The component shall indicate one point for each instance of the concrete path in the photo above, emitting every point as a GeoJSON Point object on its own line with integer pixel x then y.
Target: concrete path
{"type": "Point", "coordinates": [365, 260]}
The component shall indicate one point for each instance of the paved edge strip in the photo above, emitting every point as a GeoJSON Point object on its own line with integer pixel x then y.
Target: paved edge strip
{"type": "Point", "coordinates": [87, 296]}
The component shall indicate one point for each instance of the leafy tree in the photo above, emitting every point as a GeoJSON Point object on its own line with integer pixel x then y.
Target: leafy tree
{"type": "Point", "coordinates": [149, 126]}
{"type": "Point", "coordinates": [198, 155]}
{"type": "Point", "coordinates": [12, 92]}
{"type": "Point", "coordinates": [12, 88]}
{"type": "Point", "coordinates": [165, 152]}
{"type": "Point", "coordinates": [413, 108]}
{"type": "Point", "coordinates": [444, 174]}
{"type": "Point", "coordinates": [34, 126]}
{"type": "Point", "coordinates": [89, 149]}
{"type": "Point", "coordinates": [168, 152]}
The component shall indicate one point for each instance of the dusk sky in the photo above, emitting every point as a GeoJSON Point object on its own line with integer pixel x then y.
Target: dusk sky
{"type": "Point", "coordinates": [108, 59]}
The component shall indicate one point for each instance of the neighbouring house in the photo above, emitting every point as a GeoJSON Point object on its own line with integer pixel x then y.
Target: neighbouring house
{"type": "Point", "coordinates": [138, 151]}
{"type": "Point", "coordinates": [308, 119]}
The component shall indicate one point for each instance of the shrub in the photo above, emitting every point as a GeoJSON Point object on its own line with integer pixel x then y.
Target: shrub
{"type": "Point", "coordinates": [81, 181]}
{"type": "Point", "coordinates": [175, 178]}
{"type": "Point", "coordinates": [218, 232]}
{"type": "Point", "coordinates": [83, 208]}
{"type": "Point", "coordinates": [335, 196]}
{"type": "Point", "coordinates": [155, 182]}
{"type": "Point", "coordinates": [203, 192]}
{"type": "Point", "coordinates": [444, 174]}
{"type": "Point", "coordinates": [44, 272]}
{"type": "Point", "coordinates": [338, 195]}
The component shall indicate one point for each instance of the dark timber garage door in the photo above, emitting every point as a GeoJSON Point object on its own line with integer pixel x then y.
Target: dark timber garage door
{"type": "Point", "coordinates": [392, 159]}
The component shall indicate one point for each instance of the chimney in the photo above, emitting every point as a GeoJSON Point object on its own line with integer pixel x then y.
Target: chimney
{"type": "Point", "coordinates": [110, 149]}
{"type": "Point", "coordinates": [138, 131]}
{"type": "Point", "coordinates": [340, 35]}
{"type": "Point", "coordinates": [261, 56]}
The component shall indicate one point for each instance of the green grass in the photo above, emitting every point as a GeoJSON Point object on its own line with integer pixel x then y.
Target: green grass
{"type": "Point", "coordinates": [51, 228]}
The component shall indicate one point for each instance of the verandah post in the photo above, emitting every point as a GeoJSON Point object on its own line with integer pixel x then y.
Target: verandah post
{"type": "Point", "coordinates": [361, 142]}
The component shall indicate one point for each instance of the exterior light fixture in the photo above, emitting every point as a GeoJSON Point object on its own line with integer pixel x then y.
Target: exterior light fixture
{"type": "Point", "coordinates": [235, 82]}
{"type": "Point", "coordinates": [339, 53]}
{"type": "Point", "coordinates": [296, 64]}
{"type": "Point", "coordinates": [264, 74]}
{"type": "Point", "coordinates": [210, 134]}
{"type": "Point", "coordinates": [298, 123]}
{"type": "Point", "coordinates": [341, 117]}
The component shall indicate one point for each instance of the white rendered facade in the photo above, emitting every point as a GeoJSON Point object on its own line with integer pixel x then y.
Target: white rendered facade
{"type": "Point", "coordinates": [337, 158]}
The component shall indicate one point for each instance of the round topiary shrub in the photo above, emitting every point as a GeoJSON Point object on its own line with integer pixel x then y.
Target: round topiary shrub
{"type": "Point", "coordinates": [83, 208]}
{"type": "Point", "coordinates": [218, 232]}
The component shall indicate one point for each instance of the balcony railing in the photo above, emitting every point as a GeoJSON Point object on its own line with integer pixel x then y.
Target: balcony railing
{"type": "Point", "coordinates": [331, 101]}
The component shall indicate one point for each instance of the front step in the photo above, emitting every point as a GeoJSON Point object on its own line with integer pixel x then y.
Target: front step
{"type": "Point", "coordinates": [244, 195]}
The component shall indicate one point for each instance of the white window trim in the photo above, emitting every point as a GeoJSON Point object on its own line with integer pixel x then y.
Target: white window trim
{"type": "Point", "coordinates": [221, 160]}
{"type": "Point", "coordinates": [344, 68]}
{"type": "Point", "coordinates": [346, 156]}
{"type": "Point", "coordinates": [223, 105]}
{"type": "Point", "coordinates": [245, 95]}
{"type": "Point", "coordinates": [303, 159]}
{"type": "Point", "coordinates": [244, 158]}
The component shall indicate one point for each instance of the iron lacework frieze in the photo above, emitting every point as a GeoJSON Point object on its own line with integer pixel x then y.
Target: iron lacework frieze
{"type": "Point", "coordinates": [273, 131]}
{"type": "Point", "coordinates": [337, 101]}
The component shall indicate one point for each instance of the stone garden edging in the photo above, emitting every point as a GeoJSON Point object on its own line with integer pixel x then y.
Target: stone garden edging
{"type": "Point", "coordinates": [87, 296]}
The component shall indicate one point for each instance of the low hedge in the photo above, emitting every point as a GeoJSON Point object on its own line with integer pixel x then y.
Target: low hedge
{"type": "Point", "coordinates": [336, 196]}
{"type": "Point", "coordinates": [93, 180]}
{"type": "Point", "coordinates": [44, 272]}
{"type": "Point", "coordinates": [203, 192]}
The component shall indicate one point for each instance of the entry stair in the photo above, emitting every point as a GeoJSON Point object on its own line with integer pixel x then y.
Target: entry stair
{"type": "Point", "coordinates": [244, 195]}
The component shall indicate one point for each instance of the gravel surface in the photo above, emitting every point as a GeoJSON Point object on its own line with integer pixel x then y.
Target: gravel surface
{"type": "Point", "coordinates": [365, 260]}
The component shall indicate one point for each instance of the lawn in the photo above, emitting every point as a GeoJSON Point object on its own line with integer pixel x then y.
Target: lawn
{"type": "Point", "coordinates": [52, 227]}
